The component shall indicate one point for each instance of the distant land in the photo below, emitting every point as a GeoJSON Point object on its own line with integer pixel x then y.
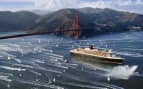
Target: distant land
{"type": "Point", "coordinates": [16, 21]}
{"type": "Point", "coordinates": [92, 21]}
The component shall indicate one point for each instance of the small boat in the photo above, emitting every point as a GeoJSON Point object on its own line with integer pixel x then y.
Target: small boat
{"type": "Point", "coordinates": [97, 55]}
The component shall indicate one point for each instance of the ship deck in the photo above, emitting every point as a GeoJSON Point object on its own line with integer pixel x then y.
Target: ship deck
{"type": "Point", "coordinates": [96, 54]}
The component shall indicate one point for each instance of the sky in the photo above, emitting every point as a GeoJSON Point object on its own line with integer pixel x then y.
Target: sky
{"type": "Point", "coordinates": [51, 5]}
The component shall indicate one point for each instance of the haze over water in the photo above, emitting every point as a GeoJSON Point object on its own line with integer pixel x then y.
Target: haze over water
{"type": "Point", "coordinates": [41, 62]}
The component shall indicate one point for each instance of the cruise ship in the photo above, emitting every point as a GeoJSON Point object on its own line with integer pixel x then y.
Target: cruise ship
{"type": "Point", "coordinates": [94, 55]}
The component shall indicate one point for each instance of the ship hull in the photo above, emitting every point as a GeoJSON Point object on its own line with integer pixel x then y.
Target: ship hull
{"type": "Point", "coordinates": [92, 59]}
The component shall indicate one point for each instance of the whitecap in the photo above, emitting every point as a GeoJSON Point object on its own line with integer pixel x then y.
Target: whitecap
{"type": "Point", "coordinates": [12, 68]}
{"type": "Point", "coordinates": [36, 73]}
{"type": "Point", "coordinates": [5, 78]}
{"type": "Point", "coordinates": [130, 54]}
{"type": "Point", "coordinates": [122, 72]}
{"type": "Point", "coordinates": [17, 60]}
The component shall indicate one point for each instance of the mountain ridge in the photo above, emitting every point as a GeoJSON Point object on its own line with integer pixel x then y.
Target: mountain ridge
{"type": "Point", "coordinates": [94, 20]}
{"type": "Point", "coordinates": [16, 21]}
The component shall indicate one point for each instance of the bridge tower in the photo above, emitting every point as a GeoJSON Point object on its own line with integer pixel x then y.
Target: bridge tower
{"type": "Point", "coordinates": [76, 26]}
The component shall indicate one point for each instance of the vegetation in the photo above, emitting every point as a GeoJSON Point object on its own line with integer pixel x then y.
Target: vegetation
{"type": "Point", "coordinates": [92, 21]}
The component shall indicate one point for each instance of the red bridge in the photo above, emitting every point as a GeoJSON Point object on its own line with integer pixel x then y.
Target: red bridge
{"type": "Point", "coordinates": [75, 30]}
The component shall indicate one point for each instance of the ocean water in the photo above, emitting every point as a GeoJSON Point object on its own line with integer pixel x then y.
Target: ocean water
{"type": "Point", "coordinates": [44, 62]}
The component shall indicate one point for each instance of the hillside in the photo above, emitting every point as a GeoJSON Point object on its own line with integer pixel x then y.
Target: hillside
{"type": "Point", "coordinates": [16, 21]}
{"type": "Point", "coordinates": [92, 21]}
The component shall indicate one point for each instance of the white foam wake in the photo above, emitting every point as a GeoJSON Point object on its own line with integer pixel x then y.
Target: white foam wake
{"type": "Point", "coordinates": [122, 72]}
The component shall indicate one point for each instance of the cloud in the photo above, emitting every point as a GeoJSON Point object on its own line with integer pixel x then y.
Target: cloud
{"type": "Point", "coordinates": [129, 5]}
{"type": "Point", "coordinates": [56, 4]}
{"type": "Point", "coordinates": [59, 4]}
{"type": "Point", "coordinates": [97, 4]}
{"type": "Point", "coordinates": [16, 8]}
{"type": "Point", "coordinates": [123, 5]}
{"type": "Point", "coordinates": [17, 1]}
{"type": "Point", "coordinates": [129, 2]}
{"type": "Point", "coordinates": [14, 5]}
{"type": "Point", "coordinates": [52, 5]}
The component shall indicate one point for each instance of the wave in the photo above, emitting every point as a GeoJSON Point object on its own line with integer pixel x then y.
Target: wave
{"type": "Point", "coordinates": [133, 49]}
{"type": "Point", "coordinates": [23, 65]}
{"type": "Point", "coordinates": [83, 86]}
{"type": "Point", "coordinates": [18, 60]}
{"type": "Point", "coordinates": [138, 74]}
{"type": "Point", "coordinates": [130, 54]}
{"type": "Point", "coordinates": [36, 73]}
{"type": "Point", "coordinates": [5, 78]}
{"type": "Point", "coordinates": [46, 85]}
{"type": "Point", "coordinates": [91, 84]}
{"type": "Point", "coordinates": [12, 68]}
{"type": "Point", "coordinates": [115, 72]}
{"type": "Point", "coordinates": [122, 72]}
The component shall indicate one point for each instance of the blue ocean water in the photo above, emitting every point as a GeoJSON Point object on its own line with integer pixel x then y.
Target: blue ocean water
{"type": "Point", "coordinates": [44, 62]}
